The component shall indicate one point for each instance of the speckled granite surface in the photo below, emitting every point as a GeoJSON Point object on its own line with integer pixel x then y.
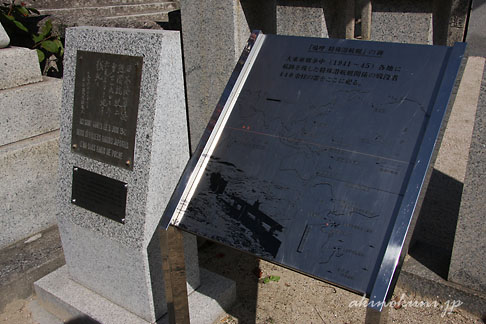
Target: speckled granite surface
{"type": "Point", "coordinates": [468, 264]}
{"type": "Point", "coordinates": [122, 262]}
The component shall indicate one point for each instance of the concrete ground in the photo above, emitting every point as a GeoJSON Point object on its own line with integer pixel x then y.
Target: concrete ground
{"type": "Point", "coordinates": [294, 298]}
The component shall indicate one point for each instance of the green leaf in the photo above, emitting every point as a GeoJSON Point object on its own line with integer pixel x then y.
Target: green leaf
{"type": "Point", "coordinates": [9, 17]}
{"type": "Point", "coordinates": [58, 43]}
{"type": "Point", "coordinates": [61, 48]}
{"type": "Point", "coordinates": [50, 46]}
{"type": "Point", "coordinates": [274, 278]}
{"type": "Point", "coordinates": [37, 38]}
{"type": "Point", "coordinates": [41, 55]}
{"type": "Point", "coordinates": [270, 278]}
{"type": "Point", "coordinates": [23, 11]}
{"type": "Point", "coordinates": [20, 26]}
{"type": "Point", "coordinates": [46, 29]}
{"type": "Point", "coordinates": [34, 10]}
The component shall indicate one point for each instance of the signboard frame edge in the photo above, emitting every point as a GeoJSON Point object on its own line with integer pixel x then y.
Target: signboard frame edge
{"type": "Point", "coordinates": [401, 232]}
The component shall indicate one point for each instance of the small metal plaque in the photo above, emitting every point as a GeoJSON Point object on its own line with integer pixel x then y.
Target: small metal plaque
{"type": "Point", "coordinates": [99, 194]}
{"type": "Point", "coordinates": [106, 98]}
{"type": "Point", "coordinates": [316, 154]}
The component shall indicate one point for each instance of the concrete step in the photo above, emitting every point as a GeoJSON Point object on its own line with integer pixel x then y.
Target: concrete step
{"type": "Point", "coordinates": [70, 301]}
{"type": "Point", "coordinates": [29, 110]}
{"type": "Point", "coordinates": [57, 4]}
{"type": "Point", "coordinates": [110, 11]}
{"type": "Point", "coordinates": [145, 20]}
{"type": "Point", "coordinates": [18, 66]}
{"type": "Point", "coordinates": [153, 16]}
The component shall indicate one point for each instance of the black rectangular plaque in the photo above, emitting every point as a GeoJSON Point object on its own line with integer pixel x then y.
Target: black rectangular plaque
{"type": "Point", "coordinates": [99, 194]}
{"type": "Point", "coordinates": [316, 154]}
{"type": "Point", "coordinates": [106, 99]}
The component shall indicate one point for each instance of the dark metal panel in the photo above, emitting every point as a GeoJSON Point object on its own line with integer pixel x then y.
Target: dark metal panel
{"type": "Point", "coordinates": [99, 194]}
{"type": "Point", "coordinates": [396, 244]}
{"type": "Point", "coordinates": [310, 167]}
{"type": "Point", "coordinates": [188, 178]}
{"type": "Point", "coordinates": [106, 98]}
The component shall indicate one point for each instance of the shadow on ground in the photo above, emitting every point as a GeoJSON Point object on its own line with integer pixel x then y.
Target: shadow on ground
{"type": "Point", "coordinates": [82, 320]}
{"type": "Point", "coordinates": [433, 238]}
{"type": "Point", "coordinates": [240, 267]}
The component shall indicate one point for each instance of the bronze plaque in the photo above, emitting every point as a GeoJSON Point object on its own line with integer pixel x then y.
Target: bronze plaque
{"type": "Point", "coordinates": [106, 98]}
{"type": "Point", "coordinates": [99, 194]}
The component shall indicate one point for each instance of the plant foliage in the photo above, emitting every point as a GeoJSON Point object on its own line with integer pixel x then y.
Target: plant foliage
{"type": "Point", "coordinates": [271, 278]}
{"type": "Point", "coordinates": [22, 25]}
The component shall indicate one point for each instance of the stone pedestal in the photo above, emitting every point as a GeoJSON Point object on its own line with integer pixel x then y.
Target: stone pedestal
{"type": "Point", "coordinates": [122, 261]}
{"type": "Point", "coordinates": [114, 265]}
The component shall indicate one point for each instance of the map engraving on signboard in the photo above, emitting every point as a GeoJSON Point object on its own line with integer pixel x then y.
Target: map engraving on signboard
{"type": "Point", "coordinates": [106, 99]}
{"type": "Point", "coordinates": [314, 160]}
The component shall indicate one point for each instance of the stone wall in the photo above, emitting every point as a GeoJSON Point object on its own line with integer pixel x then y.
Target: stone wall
{"type": "Point", "coordinates": [29, 145]}
{"type": "Point", "coordinates": [114, 13]}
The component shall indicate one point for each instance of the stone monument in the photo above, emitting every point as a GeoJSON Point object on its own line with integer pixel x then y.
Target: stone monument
{"type": "Point", "coordinates": [123, 145]}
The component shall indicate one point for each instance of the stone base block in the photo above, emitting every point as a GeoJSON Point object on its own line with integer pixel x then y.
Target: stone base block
{"type": "Point", "coordinates": [29, 110]}
{"type": "Point", "coordinates": [19, 66]}
{"type": "Point", "coordinates": [28, 187]}
{"type": "Point", "coordinates": [301, 18]}
{"type": "Point", "coordinates": [402, 21]}
{"type": "Point", "coordinates": [389, 27]}
{"type": "Point", "coordinates": [68, 300]}
{"type": "Point", "coordinates": [128, 277]}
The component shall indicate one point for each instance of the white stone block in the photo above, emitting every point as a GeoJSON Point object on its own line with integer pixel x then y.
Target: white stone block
{"type": "Point", "coordinates": [28, 187]}
{"type": "Point", "coordinates": [30, 110]}
{"type": "Point", "coordinates": [18, 66]}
